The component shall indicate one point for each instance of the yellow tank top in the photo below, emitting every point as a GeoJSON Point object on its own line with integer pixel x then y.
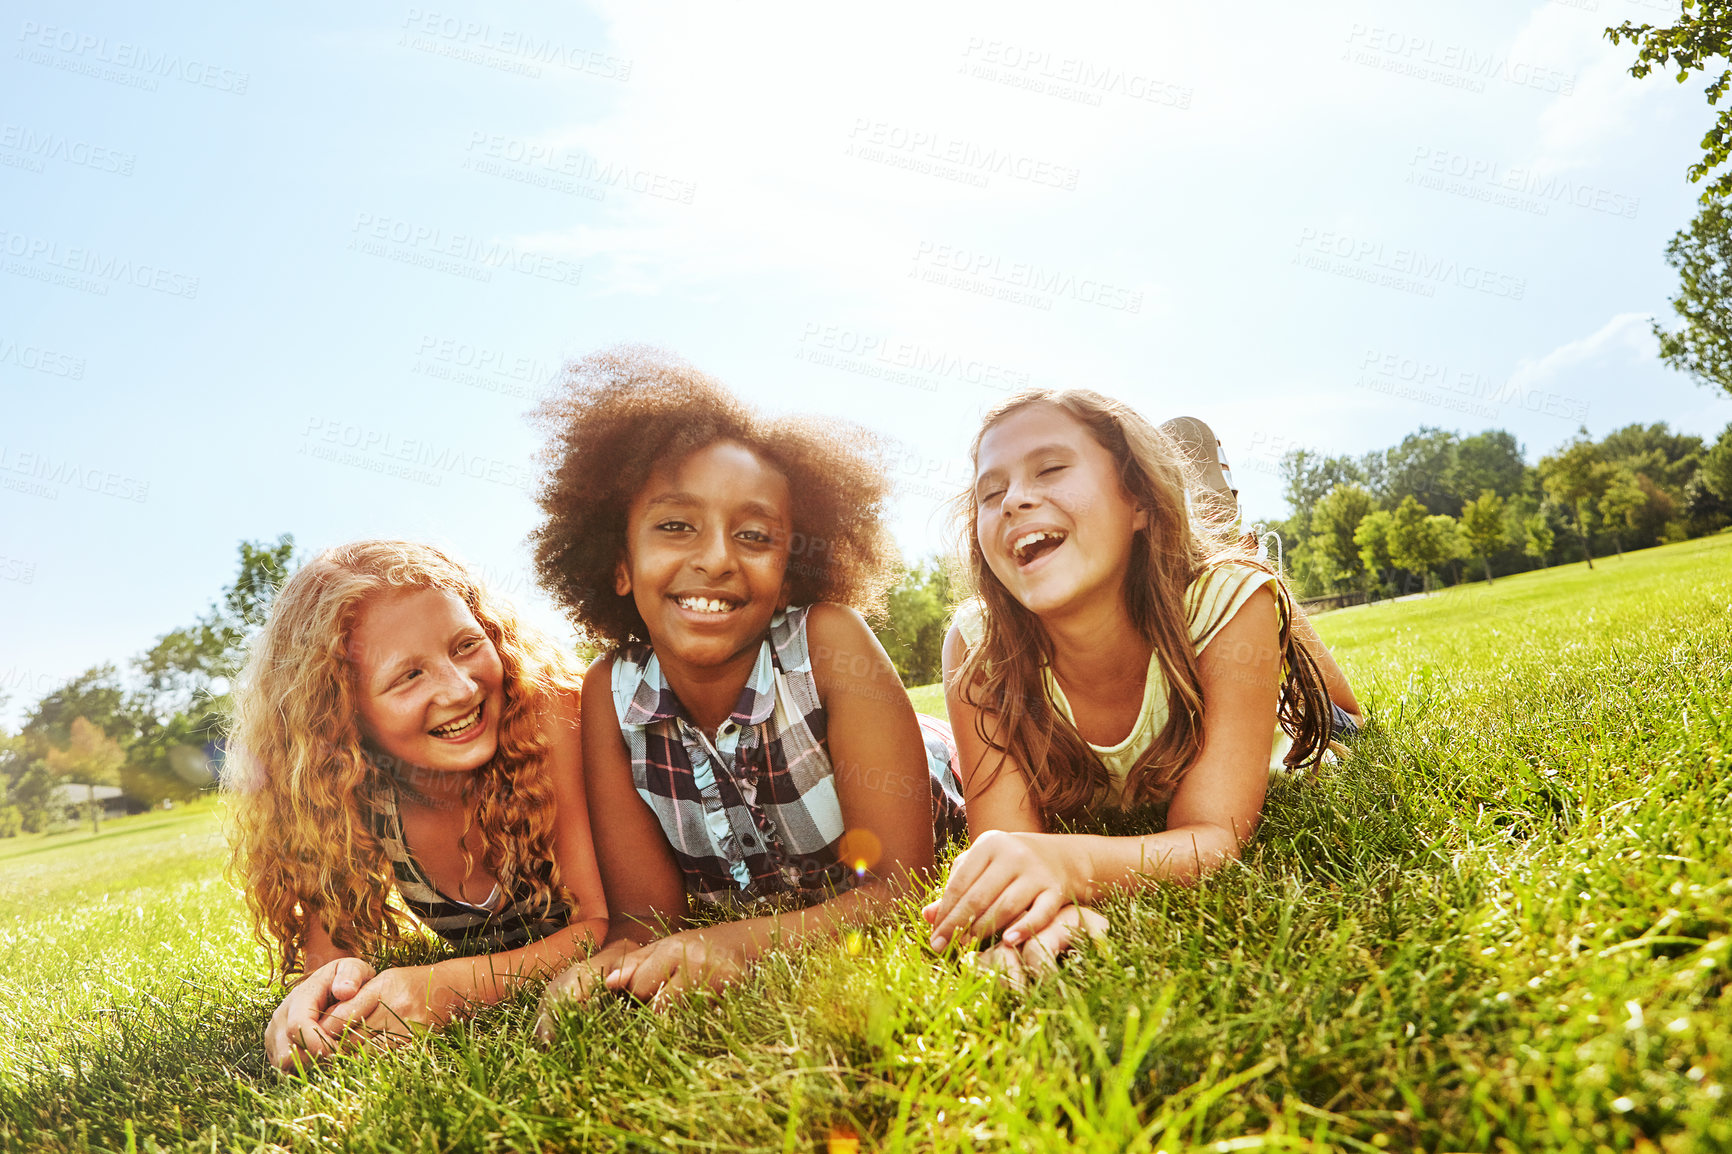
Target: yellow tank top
{"type": "Point", "coordinates": [1211, 601]}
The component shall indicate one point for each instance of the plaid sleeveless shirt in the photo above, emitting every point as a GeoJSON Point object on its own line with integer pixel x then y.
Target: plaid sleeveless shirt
{"type": "Point", "coordinates": [752, 813]}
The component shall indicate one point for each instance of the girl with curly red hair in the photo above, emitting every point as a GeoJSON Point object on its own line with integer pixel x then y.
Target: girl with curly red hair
{"type": "Point", "coordinates": [398, 729]}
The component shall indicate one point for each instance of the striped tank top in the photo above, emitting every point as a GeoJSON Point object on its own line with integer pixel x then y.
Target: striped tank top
{"type": "Point", "coordinates": [506, 922]}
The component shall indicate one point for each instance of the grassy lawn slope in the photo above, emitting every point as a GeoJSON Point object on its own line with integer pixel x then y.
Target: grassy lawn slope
{"type": "Point", "coordinates": [1501, 924]}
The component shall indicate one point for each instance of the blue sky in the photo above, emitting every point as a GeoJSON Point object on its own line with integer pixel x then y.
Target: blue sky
{"type": "Point", "coordinates": [305, 269]}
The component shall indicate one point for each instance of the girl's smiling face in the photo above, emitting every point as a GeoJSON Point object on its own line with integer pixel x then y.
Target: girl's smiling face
{"type": "Point", "coordinates": [1053, 519]}
{"type": "Point", "coordinates": [707, 554]}
{"type": "Point", "coordinates": [429, 683]}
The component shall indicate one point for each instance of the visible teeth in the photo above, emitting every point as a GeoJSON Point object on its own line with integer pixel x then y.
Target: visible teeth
{"type": "Point", "coordinates": [704, 604]}
{"type": "Point", "coordinates": [1027, 539]}
{"type": "Point", "coordinates": [452, 729]}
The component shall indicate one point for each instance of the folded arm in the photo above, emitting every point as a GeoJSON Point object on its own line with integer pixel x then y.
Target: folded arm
{"type": "Point", "coordinates": [407, 997]}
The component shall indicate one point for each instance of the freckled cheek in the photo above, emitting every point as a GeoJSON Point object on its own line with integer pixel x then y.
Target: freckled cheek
{"type": "Point", "coordinates": [493, 668]}
{"type": "Point", "coordinates": [396, 727]}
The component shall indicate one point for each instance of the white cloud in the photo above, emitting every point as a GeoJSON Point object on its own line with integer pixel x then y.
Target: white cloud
{"type": "Point", "coordinates": [1626, 337]}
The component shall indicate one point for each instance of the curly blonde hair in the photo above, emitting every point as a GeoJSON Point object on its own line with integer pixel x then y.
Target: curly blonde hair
{"type": "Point", "coordinates": [1187, 536]}
{"type": "Point", "coordinates": [300, 784]}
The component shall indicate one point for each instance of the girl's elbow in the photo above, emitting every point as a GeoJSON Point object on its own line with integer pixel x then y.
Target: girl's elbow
{"type": "Point", "coordinates": [592, 932]}
{"type": "Point", "coordinates": [1212, 846]}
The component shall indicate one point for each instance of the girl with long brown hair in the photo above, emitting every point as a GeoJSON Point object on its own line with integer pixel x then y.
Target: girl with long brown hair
{"type": "Point", "coordinates": [397, 728]}
{"type": "Point", "coordinates": [1125, 647]}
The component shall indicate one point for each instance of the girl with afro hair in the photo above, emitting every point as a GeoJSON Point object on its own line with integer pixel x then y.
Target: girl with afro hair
{"type": "Point", "coordinates": [749, 751]}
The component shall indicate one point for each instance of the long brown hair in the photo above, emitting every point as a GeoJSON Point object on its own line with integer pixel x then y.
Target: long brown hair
{"type": "Point", "coordinates": [1185, 539]}
{"type": "Point", "coordinates": [299, 782]}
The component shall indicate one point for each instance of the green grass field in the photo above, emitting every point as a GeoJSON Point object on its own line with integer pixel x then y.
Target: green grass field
{"type": "Point", "coordinates": [1501, 924]}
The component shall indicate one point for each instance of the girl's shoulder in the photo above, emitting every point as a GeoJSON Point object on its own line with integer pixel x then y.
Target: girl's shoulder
{"type": "Point", "coordinates": [564, 711]}
{"type": "Point", "coordinates": [831, 642]}
{"type": "Point", "coordinates": [1227, 575]}
{"type": "Point", "coordinates": [817, 630]}
{"type": "Point", "coordinates": [970, 621]}
{"type": "Point", "coordinates": [1211, 599]}
{"type": "Point", "coordinates": [1219, 592]}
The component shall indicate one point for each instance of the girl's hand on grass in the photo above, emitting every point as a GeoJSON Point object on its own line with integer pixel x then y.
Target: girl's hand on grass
{"type": "Point", "coordinates": [1038, 957]}
{"type": "Point", "coordinates": [1010, 882]}
{"type": "Point", "coordinates": [294, 1035]}
{"type": "Point", "coordinates": [711, 958]}
{"type": "Point", "coordinates": [396, 1004]}
{"type": "Point", "coordinates": [1003, 960]}
{"type": "Point", "coordinates": [1041, 952]}
{"type": "Point", "coordinates": [578, 984]}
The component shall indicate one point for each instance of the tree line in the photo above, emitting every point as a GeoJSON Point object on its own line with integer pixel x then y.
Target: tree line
{"type": "Point", "coordinates": [1443, 507]}
{"type": "Point", "coordinates": [155, 734]}
{"type": "Point", "coordinates": [1437, 507]}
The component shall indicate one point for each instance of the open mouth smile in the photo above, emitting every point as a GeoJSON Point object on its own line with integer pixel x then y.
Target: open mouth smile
{"type": "Point", "coordinates": [462, 726]}
{"type": "Point", "coordinates": [1032, 546]}
{"type": "Point", "coordinates": [716, 605]}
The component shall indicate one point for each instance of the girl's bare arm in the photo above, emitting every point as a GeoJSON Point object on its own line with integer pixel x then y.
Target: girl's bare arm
{"type": "Point", "coordinates": [1216, 808]}
{"type": "Point", "coordinates": [330, 976]}
{"type": "Point", "coordinates": [993, 785]}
